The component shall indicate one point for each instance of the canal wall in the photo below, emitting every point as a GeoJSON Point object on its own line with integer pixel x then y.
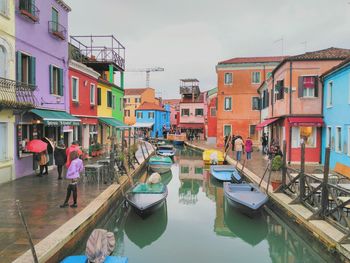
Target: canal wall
{"type": "Point", "coordinates": [326, 234]}
{"type": "Point", "coordinates": [61, 243]}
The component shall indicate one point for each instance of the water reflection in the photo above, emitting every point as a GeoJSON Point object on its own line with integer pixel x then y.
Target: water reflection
{"type": "Point", "coordinates": [166, 177]}
{"type": "Point", "coordinates": [143, 232]}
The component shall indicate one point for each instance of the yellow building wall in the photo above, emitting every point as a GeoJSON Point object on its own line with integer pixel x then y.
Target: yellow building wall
{"type": "Point", "coordinates": [7, 40]}
{"type": "Point", "coordinates": [103, 110]}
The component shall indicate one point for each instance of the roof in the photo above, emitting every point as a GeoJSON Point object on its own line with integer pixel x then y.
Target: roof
{"type": "Point", "coordinates": [171, 101]}
{"type": "Point", "coordinates": [113, 122]}
{"type": "Point", "coordinates": [189, 80]}
{"type": "Point", "coordinates": [345, 63]}
{"type": "Point", "coordinates": [132, 92]}
{"type": "Point", "coordinates": [64, 5]}
{"type": "Point", "coordinates": [331, 53]}
{"type": "Point", "coordinates": [212, 91]}
{"type": "Point", "coordinates": [150, 106]}
{"type": "Point", "coordinates": [239, 60]}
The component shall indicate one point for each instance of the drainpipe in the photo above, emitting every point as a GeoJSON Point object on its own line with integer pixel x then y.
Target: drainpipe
{"type": "Point", "coordinates": [290, 110]}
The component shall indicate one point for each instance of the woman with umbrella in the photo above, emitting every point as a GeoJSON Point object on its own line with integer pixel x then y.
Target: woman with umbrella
{"type": "Point", "coordinates": [40, 147]}
{"type": "Point", "coordinates": [43, 160]}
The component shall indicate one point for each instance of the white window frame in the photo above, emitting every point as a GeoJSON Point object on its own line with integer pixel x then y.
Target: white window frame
{"type": "Point", "coordinates": [139, 115]}
{"type": "Point", "coordinates": [151, 115]}
{"type": "Point", "coordinates": [6, 9]}
{"type": "Point", "coordinates": [329, 98]}
{"type": "Point", "coordinates": [337, 139]}
{"type": "Point", "coordinates": [93, 87]}
{"type": "Point", "coordinates": [227, 97]}
{"type": "Point", "coordinates": [185, 114]}
{"type": "Point", "coordinates": [296, 142]}
{"type": "Point", "coordinates": [201, 115]}
{"type": "Point", "coordinates": [253, 103]}
{"type": "Point", "coordinates": [223, 131]}
{"type": "Point", "coordinates": [77, 88]}
{"type": "Point", "coordinates": [329, 136]}
{"type": "Point", "coordinates": [113, 102]}
{"type": "Point", "coordinates": [6, 149]}
{"type": "Point", "coordinates": [253, 75]}
{"type": "Point", "coordinates": [228, 73]}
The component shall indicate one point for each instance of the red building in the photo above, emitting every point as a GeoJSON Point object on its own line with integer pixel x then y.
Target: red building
{"type": "Point", "coordinates": [212, 96]}
{"type": "Point", "coordinates": [174, 111]}
{"type": "Point", "coordinates": [83, 102]}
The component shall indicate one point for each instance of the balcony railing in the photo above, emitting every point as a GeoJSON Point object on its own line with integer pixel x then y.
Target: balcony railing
{"type": "Point", "coordinates": [189, 90]}
{"type": "Point", "coordinates": [29, 10]}
{"type": "Point", "coordinates": [57, 30]}
{"type": "Point", "coordinates": [16, 95]}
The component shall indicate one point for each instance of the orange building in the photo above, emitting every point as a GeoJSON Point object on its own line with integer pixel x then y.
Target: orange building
{"type": "Point", "coordinates": [238, 100]}
{"type": "Point", "coordinates": [133, 98]}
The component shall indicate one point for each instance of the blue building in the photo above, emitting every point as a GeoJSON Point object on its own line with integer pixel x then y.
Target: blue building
{"type": "Point", "coordinates": [152, 118]}
{"type": "Point", "coordinates": [336, 111]}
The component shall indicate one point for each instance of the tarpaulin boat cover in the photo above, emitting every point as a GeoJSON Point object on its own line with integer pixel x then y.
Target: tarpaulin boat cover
{"type": "Point", "coordinates": [149, 189]}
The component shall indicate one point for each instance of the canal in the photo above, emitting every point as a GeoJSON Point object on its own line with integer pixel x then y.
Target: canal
{"type": "Point", "coordinates": [197, 225]}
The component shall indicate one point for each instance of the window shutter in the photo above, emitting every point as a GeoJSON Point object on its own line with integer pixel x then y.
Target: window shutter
{"type": "Point", "coordinates": [316, 86]}
{"type": "Point", "coordinates": [98, 96]}
{"type": "Point", "coordinates": [19, 66]}
{"type": "Point", "coordinates": [32, 68]}
{"type": "Point", "coordinates": [300, 86]}
{"type": "Point", "coordinates": [60, 83]}
{"type": "Point", "coordinates": [267, 98]}
{"type": "Point", "coordinates": [51, 78]}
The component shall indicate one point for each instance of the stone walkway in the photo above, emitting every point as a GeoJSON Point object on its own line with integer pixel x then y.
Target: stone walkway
{"type": "Point", "coordinates": [40, 198]}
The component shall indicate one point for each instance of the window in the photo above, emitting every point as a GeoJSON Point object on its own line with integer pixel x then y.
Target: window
{"type": "Point", "coordinates": [198, 112]}
{"type": "Point", "coordinates": [109, 99]}
{"type": "Point", "coordinates": [255, 77]}
{"type": "Point", "coordinates": [54, 16]}
{"type": "Point", "coordinates": [198, 170]}
{"type": "Point", "coordinates": [98, 96]}
{"type": "Point", "coordinates": [308, 86]}
{"type": "Point", "coordinates": [228, 104]}
{"type": "Point", "coordinates": [268, 75]}
{"type": "Point", "coordinates": [185, 169]}
{"type": "Point", "coordinates": [151, 115]}
{"type": "Point", "coordinates": [164, 116]}
{"type": "Point", "coordinates": [3, 7]}
{"type": "Point", "coordinates": [329, 137]}
{"type": "Point", "coordinates": [137, 100]}
{"type": "Point", "coordinates": [227, 129]}
{"type": "Point", "coordinates": [113, 102]}
{"type": "Point", "coordinates": [304, 134]}
{"type": "Point", "coordinates": [185, 112]}
{"type": "Point", "coordinates": [139, 115]}
{"type": "Point", "coordinates": [330, 94]}
{"type": "Point", "coordinates": [92, 94]}
{"type": "Point", "coordinates": [127, 113]}
{"type": "Point", "coordinates": [252, 129]}
{"type": "Point", "coordinates": [228, 78]}
{"type": "Point", "coordinates": [265, 99]}
{"type": "Point", "coordinates": [255, 103]}
{"type": "Point", "coordinates": [3, 62]}
{"type": "Point", "coordinates": [56, 80]}
{"type": "Point", "coordinates": [26, 68]}
{"type": "Point", "coordinates": [75, 89]}
{"type": "Point", "coordinates": [213, 112]}
{"type": "Point", "coordinates": [338, 139]}
{"type": "Point", "coordinates": [279, 90]}
{"type": "Point", "coordinates": [3, 141]}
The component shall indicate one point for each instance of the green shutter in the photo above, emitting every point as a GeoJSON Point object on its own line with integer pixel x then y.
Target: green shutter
{"type": "Point", "coordinates": [51, 79]}
{"type": "Point", "coordinates": [60, 83]}
{"type": "Point", "coordinates": [19, 66]}
{"type": "Point", "coordinates": [32, 70]}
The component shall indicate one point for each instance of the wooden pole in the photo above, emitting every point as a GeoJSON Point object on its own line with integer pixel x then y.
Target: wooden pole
{"type": "Point", "coordinates": [324, 200]}
{"type": "Point", "coordinates": [284, 167]}
{"type": "Point", "coordinates": [302, 173]}
{"type": "Point", "coordinates": [111, 158]}
{"type": "Point", "coordinates": [32, 248]}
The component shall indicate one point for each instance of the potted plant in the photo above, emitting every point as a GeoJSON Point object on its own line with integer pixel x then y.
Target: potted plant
{"type": "Point", "coordinates": [92, 150]}
{"type": "Point", "coordinates": [276, 176]}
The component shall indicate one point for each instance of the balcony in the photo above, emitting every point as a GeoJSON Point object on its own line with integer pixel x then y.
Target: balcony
{"type": "Point", "coordinates": [28, 10]}
{"type": "Point", "coordinates": [16, 95]}
{"type": "Point", "coordinates": [57, 30]}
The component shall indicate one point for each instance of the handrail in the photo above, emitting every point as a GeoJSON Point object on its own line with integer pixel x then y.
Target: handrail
{"type": "Point", "coordinates": [57, 30]}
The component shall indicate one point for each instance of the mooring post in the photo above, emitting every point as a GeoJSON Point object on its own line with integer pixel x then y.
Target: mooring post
{"type": "Point", "coordinates": [111, 158]}
{"type": "Point", "coordinates": [324, 200]}
{"type": "Point", "coordinates": [284, 167]}
{"type": "Point", "coordinates": [302, 173]}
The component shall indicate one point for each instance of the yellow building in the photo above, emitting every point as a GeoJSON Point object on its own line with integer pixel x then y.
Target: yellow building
{"type": "Point", "coordinates": [133, 98]}
{"type": "Point", "coordinates": [104, 109]}
{"type": "Point", "coordinates": [7, 75]}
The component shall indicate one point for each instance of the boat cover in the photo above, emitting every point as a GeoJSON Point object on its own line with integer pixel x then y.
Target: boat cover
{"type": "Point", "coordinates": [224, 168]}
{"type": "Point", "coordinates": [160, 159]}
{"type": "Point", "coordinates": [83, 259]}
{"type": "Point", "coordinates": [149, 188]}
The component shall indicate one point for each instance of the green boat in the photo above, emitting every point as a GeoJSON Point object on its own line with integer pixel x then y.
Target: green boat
{"type": "Point", "coordinates": [160, 164]}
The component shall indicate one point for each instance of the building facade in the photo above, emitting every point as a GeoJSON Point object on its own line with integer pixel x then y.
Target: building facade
{"type": "Point", "coordinates": [174, 105]}
{"type": "Point", "coordinates": [212, 96]}
{"type": "Point", "coordinates": [336, 112]}
{"type": "Point", "coordinates": [238, 101]}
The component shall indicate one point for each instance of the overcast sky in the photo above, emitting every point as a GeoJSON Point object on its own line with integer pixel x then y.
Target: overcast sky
{"type": "Point", "coordinates": [189, 37]}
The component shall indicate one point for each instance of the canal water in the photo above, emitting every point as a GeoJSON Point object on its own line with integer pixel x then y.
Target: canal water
{"type": "Point", "coordinates": [197, 225]}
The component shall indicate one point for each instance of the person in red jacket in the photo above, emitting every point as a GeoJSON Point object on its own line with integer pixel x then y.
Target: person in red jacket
{"type": "Point", "coordinates": [72, 148]}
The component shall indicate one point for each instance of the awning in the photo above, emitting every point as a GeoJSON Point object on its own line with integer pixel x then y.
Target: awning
{"type": "Point", "coordinates": [143, 124]}
{"type": "Point", "coordinates": [113, 122]}
{"type": "Point", "coordinates": [308, 121]}
{"type": "Point", "coordinates": [266, 123]}
{"type": "Point", "coordinates": [191, 125]}
{"type": "Point", "coordinates": [56, 118]}
{"type": "Point", "coordinates": [88, 120]}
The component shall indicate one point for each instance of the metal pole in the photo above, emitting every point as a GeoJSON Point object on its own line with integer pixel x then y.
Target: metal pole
{"type": "Point", "coordinates": [302, 173]}
{"type": "Point", "coordinates": [284, 167]}
{"type": "Point", "coordinates": [324, 200]}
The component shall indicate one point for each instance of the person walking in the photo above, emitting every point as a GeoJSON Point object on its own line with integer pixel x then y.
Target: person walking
{"type": "Point", "coordinates": [264, 143]}
{"type": "Point", "coordinates": [43, 160]}
{"type": "Point", "coordinates": [239, 144]}
{"type": "Point", "coordinates": [60, 157]}
{"type": "Point", "coordinates": [248, 147]}
{"type": "Point", "coordinates": [73, 173]}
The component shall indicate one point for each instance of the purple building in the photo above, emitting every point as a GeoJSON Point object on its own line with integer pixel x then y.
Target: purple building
{"type": "Point", "coordinates": [42, 62]}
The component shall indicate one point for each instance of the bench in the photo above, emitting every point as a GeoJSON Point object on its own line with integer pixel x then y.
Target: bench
{"type": "Point", "coordinates": [342, 170]}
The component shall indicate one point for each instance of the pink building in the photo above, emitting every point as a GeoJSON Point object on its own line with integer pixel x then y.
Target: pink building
{"type": "Point", "coordinates": [174, 111]}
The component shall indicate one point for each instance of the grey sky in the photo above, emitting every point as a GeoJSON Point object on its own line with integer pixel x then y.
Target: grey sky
{"type": "Point", "coordinates": [189, 37]}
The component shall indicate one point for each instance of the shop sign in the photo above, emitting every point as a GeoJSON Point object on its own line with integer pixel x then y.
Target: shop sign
{"type": "Point", "coordinates": [61, 123]}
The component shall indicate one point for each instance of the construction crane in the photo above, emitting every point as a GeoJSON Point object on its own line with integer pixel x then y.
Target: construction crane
{"type": "Point", "coordinates": [148, 72]}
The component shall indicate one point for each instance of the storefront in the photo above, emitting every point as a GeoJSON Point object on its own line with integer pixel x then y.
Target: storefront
{"type": "Point", "coordinates": [87, 131]}
{"type": "Point", "coordinates": [107, 126]}
{"type": "Point", "coordinates": [193, 129]}
{"type": "Point", "coordinates": [143, 129]}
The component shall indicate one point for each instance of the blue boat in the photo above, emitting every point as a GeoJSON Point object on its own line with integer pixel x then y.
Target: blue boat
{"type": "Point", "coordinates": [225, 173]}
{"type": "Point", "coordinates": [160, 164]}
{"type": "Point", "coordinates": [246, 197]}
{"type": "Point", "coordinates": [84, 259]}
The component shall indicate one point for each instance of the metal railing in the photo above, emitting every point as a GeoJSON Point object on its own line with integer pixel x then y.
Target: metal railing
{"type": "Point", "coordinates": [57, 30]}
{"type": "Point", "coordinates": [189, 90]}
{"type": "Point", "coordinates": [16, 95]}
{"type": "Point", "coordinates": [28, 9]}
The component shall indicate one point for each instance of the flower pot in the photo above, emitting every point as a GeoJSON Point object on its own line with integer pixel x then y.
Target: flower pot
{"type": "Point", "coordinates": [275, 184]}
{"type": "Point", "coordinates": [93, 154]}
{"type": "Point", "coordinates": [276, 179]}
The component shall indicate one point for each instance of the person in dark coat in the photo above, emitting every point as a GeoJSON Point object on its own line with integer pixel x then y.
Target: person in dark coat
{"type": "Point", "coordinates": [60, 158]}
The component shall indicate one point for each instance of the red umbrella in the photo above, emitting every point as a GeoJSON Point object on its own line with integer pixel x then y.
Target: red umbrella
{"type": "Point", "coordinates": [36, 146]}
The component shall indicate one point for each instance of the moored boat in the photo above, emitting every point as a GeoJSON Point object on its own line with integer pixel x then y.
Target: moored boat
{"type": "Point", "coordinates": [225, 173]}
{"type": "Point", "coordinates": [84, 259]}
{"type": "Point", "coordinates": [246, 196]}
{"type": "Point", "coordinates": [213, 156]}
{"type": "Point", "coordinates": [166, 150]}
{"type": "Point", "coordinates": [160, 164]}
{"type": "Point", "coordinates": [146, 198]}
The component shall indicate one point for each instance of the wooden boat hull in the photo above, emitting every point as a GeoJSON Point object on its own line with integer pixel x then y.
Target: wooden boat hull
{"type": "Point", "coordinates": [178, 142]}
{"type": "Point", "coordinates": [225, 173]}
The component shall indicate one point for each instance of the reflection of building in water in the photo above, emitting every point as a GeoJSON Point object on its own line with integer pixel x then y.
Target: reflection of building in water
{"type": "Point", "coordinates": [191, 169]}
{"type": "Point", "coordinates": [188, 191]}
